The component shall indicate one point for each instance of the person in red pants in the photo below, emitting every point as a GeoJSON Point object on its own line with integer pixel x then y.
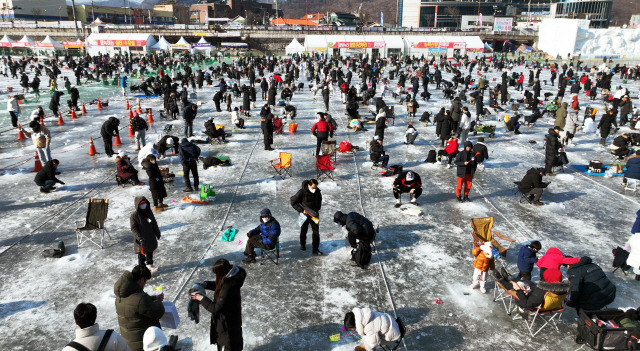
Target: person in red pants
{"type": "Point", "coordinates": [466, 164]}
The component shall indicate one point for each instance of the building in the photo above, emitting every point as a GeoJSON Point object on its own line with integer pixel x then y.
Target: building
{"type": "Point", "coordinates": [344, 19]}
{"type": "Point", "coordinates": [121, 15]}
{"type": "Point", "coordinates": [180, 12]}
{"type": "Point", "coordinates": [254, 11]}
{"type": "Point", "coordinates": [318, 18]}
{"type": "Point", "coordinates": [292, 22]}
{"type": "Point", "coordinates": [448, 13]}
{"type": "Point", "coordinates": [33, 10]}
{"type": "Point", "coordinates": [597, 11]}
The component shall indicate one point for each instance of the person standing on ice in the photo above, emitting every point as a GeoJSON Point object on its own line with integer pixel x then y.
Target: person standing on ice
{"type": "Point", "coordinates": [604, 125]}
{"type": "Point", "coordinates": [466, 168]}
{"type": "Point", "coordinates": [123, 85]}
{"type": "Point", "coordinates": [375, 328]}
{"type": "Point", "coordinates": [188, 115]}
{"type": "Point", "coordinates": [407, 182]}
{"type": "Point", "coordinates": [145, 232]}
{"type": "Point", "coordinates": [14, 110]}
{"type": "Point", "coordinates": [483, 262]}
{"type": "Point", "coordinates": [139, 126]}
{"type": "Point", "coordinates": [308, 201]}
{"type": "Point", "coordinates": [109, 129]}
{"type": "Point", "coordinates": [189, 154]}
{"type": "Point", "coordinates": [322, 131]}
{"type": "Point", "coordinates": [75, 95]}
{"type": "Point", "coordinates": [156, 183]}
{"type": "Point", "coordinates": [226, 305]}
{"type": "Point", "coordinates": [41, 138]}
{"type": "Point", "coordinates": [137, 311]}
{"type": "Point", "coordinates": [552, 148]}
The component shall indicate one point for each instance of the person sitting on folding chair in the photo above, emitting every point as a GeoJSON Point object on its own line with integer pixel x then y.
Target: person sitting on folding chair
{"type": "Point", "coordinates": [125, 170]}
{"type": "Point", "coordinates": [407, 182]}
{"type": "Point", "coordinates": [451, 150]}
{"type": "Point", "coordinates": [530, 295]}
{"type": "Point", "coordinates": [375, 328]}
{"type": "Point", "coordinates": [532, 185]}
{"type": "Point", "coordinates": [376, 152]}
{"type": "Point", "coordinates": [265, 236]}
{"type": "Point", "coordinates": [213, 132]}
{"type": "Point", "coordinates": [358, 227]}
{"type": "Point", "coordinates": [633, 168]}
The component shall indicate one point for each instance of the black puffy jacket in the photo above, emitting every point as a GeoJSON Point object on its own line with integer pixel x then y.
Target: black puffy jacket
{"type": "Point", "coordinates": [357, 224]}
{"type": "Point", "coordinates": [591, 290]}
{"type": "Point", "coordinates": [553, 143]}
{"type": "Point", "coordinates": [305, 200]}
{"type": "Point", "coordinates": [531, 180]}
{"type": "Point", "coordinates": [109, 127]}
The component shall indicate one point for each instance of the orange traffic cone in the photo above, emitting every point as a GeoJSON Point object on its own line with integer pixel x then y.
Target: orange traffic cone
{"type": "Point", "coordinates": [37, 165]}
{"type": "Point", "coordinates": [117, 141]}
{"type": "Point", "coordinates": [84, 110]}
{"type": "Point", "coordinates": [21, 135]}
{"type": "Point", "coordinates": [130, 114]}
{"type": "Point", "coordinates": [92, 148]}
{"type": "Point", "coordinates": [42, 121]}
{"type": "Point", "coordinates": [139, 108]}
{"type": "Point", "coordinates": [128, 106]}
{"type": "Point", "coordinates": [60, 121]}
{"type": "Point", "coordinates": [99, 105]}
{"type": "Point", "coordinates": [150, 118]}
{"type": "Point", "coordinates": [131, 133]}
{"type": "Point", "coordinates": [73, 113]}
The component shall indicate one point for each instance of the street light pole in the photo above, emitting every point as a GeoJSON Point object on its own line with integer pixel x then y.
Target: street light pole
{"type": "Point", "coordinates": [93, 15]}
{"type": "Point", "coordinates": [75, 22]}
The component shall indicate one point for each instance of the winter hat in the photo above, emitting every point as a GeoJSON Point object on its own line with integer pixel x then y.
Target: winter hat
{"type": "Point", "coordinates": [122, 154]}
{"type": "Point", "coordinates": [169, 141]}
{"type": "Point", "coordinates": [153, 339]}
{"type": "Point", "coordinates": [376, 137]}
{"type": "Point", "coordinates": [135, 114]}
{"type": "Point", "coordinates": [552, 275]}
{"type": "Point", "coordinates": [265, 212]}
{"type": "Point", "coordinates": [487, 248]}
{"type": "Point", "coordinates": [410, 176]}
{"type": "Point", "coordinates": [481, 139]}
{"type": "Point", "coordinates": [338, 217]}
{"type": "Point", "coordinates": [468, 144]}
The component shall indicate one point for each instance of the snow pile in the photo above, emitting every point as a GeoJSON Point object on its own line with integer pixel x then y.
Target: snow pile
{"type": "Point", "coordinates": [611, 41]}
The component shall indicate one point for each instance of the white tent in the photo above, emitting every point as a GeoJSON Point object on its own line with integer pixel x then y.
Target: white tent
{"type": "Point", "coordinates": [315, 43]}
{"type": "Point", "coordinates": [162, 44]}
{"type": "Point", "coordinates": [202, 41]}
{"type": "Point", "coordinates": [6, 41]}
{"type": "Point", "coordinates": [202, 44]}
{"type": "Point", "coordinates": [98, 21]}
{"type": "Point", "coordinates": [49, 44]}
{"type": "Point", "coordinates": [294, 47]}
{"type": "Point", "coordinates": [119, 43]}
{"type": "Point", "coordinates": [181, 44]}
{"type": "Point", "coordinates": [24, 42]}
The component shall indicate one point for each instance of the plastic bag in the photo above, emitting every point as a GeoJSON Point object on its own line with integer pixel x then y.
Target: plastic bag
{"type": "Point", "coordinates": [301, 219]}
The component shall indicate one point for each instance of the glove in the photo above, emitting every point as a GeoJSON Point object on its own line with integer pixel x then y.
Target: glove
{"type": "Point", "coordinates": [61, 182]}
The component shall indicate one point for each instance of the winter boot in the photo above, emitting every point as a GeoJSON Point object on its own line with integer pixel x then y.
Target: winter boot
{"type": "Point", "coordinates": [459, 199]}
{"type": "Point", "coordinates": [152, 269]}
{"type": "Point", "coordinates": [398, 203]}
{"type": "Point", "coordinates": [157, 209]}
{"type": "Point", "coordinates": [42, 190]}
{"type": "Point", "coordinates": [466, 198]}
{"type": "Point", "coordinates": [187, 190]}
{"type": "Point", "coordinates": [303, 247]}
{"type": "Point", "coordinates": [318, 253]}
{"type": "Point", "coordinates": [249, 260]}
{"type": "Point", "coordinates": [482, 288]}
{"type": "Point", "coordinates": [473, 285]}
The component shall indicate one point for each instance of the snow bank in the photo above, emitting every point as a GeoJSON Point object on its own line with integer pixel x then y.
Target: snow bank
{"type": "Point", "coordinates": [608, 42]}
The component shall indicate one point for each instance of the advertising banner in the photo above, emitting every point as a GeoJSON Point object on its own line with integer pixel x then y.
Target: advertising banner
{"type": "Point", "coordinates": [502, 24]}
{"type": "Point", "coordinates": [358, 45]}
{"type": "Point", "coordinates": [109, 42]}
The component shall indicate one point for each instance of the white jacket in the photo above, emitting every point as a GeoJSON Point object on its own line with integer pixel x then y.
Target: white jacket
{"type": "Point", "coordinates": [234, 117]}
{"type": "Point", "coordinates": [634, 253]}
{"type": "Point", "coordinates": [571, 122]}
{"type": "Point", "coordinates": [92, 337]}
{"type": "Point", "coordinates": [375, 327]}
{"type": "Point", "coordinates": [465, 123]}
{"type": "Point", "coordinates": [589, 126]}
{"type": "Point", "coordinates": [12, 105]}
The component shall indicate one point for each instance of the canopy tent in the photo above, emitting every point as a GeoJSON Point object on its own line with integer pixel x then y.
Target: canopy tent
{"type": "Point", "coordinates": [162, 44]}
{"type": "Point", "coordinates": [24, 42]}
{"type": "Point", "coordinates": [98, 21]}
{"type": "Point", "coordinates": [294, 47]}
{"type": "Point", "coordinates": [49, 44]}
{"type": "Point", "coordinates": [315, 43]}
{"type": "Point", "coordinates": [202, 44]}
{"type": "Point", "coordinates": [119, 43]}
{"type": "Point", "coordinates": [6, 41]}
{"type": "Point", "coordinates": [181, 44]}
{"type": "Point", "coordinates": [473, 44]}
{"type": "Point", "coordinates": [78, 44]}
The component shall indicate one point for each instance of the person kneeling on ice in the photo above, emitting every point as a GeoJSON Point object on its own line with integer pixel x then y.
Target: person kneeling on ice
{"type": "Point", "coordinates": [358, 227]}
{"type": "Point", "coordinates": [166, 143]}
{"type": "Point", "coordinates": [532, 185]}
{"type": "Point", "coordinates": [483, 262]}
{"type": "Point", "coordinates": [410, 134]}
{"type": "Point", "coordinates": [407, 182]}
{"type": "Point", "coordinates": [46, 177]}
{"type": "Point", "coordinates": [264, 236]}
{"type": "Point", "coordinates": [465, 160]}
{"type": "Point", "coordinates": [376, 152]}
{"type": "Point", "coordinates": [212, 161]}
{"type": "Point", "coordinates": [375, 328]}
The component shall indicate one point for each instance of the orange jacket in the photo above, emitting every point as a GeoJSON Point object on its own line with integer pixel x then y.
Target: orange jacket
{"type": "Point", "coordinates": [482, 262]}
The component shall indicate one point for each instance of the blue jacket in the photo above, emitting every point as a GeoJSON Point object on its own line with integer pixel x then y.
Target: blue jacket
{"type": "Point", "coordinates": [123, 81]}
{"type": "Point", "coordinates": [526, 259]}
{"type": "Point", "coordinates": [269, 231]}
{"type": "Point", "coordinates": [633, 168]}
{"type": "Point", "coordinates": [636, 224]}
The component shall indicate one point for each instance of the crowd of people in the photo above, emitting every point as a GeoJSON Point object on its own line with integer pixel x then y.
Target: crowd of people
{"type": "Point", "coordinates": [361, 83]}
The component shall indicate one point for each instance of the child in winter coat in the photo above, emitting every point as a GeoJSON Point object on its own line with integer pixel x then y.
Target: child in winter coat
{"type": "Point", "coordinates": [550, 263]}
{"type": "Point", "coordinates": [484, 262]}
{"type": "Point", "coordinates": [526, 259]}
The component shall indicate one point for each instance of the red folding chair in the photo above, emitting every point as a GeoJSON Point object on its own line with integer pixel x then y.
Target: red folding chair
{"type": "Point", "coordinates": [324, 167]}
{"type": "Point", "coordinates": [277, 125]}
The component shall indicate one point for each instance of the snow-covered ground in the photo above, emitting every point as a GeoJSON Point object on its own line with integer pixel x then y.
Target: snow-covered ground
{"type": "Point", "coordinates": [300, 303]}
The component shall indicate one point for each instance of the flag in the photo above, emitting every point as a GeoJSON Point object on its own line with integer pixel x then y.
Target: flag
{"type": "Point", "coordinates": [381, 18]}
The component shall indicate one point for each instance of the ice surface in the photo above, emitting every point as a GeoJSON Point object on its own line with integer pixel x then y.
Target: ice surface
{"type": "Point", "coordinates": [301, 302]}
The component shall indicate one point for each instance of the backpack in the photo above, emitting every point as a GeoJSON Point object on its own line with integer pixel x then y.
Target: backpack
{"type": "Point", "coordinates": [362, 255]}
{"type": "Point", "coordinates": [431, 157]}
{"type": "Point", "coordinates": [345, 146]}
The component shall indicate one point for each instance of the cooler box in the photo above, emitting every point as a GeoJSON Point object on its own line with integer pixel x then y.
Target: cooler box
{"type": "Point", "coordinates": [293, 127]}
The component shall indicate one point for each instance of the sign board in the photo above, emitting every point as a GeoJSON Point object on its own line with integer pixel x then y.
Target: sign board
{"type": "Point", "coordinates": [3, 44]}
{"type": "Point", "coordinates": [234, 45]}
{"type": "Point", "coordinates": [358, 45]}
{"type": "Point", "coordinates": [426, 45]}
{"type": "Point", "coordinates": [502, 24]}
{"type": "Point", "coordinates": [200, 45]}
{"type": "Point", "coordinates": [21, 44]}
{"type": "Point", "coordinates": [44, 45]}
{"type": "Point", "coordinates": [73, 44]}
{"type": "Point", "coordinates": [108, 42]}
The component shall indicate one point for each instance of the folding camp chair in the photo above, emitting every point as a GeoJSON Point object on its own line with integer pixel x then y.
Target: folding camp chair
{"type": "Point", "coordinates": [283, 167]}
{"type": "Point", "coordinates": [329, 148]}
{"type": "Point", "coordinates": [549, 312]}
{"type": "Point", "coordinates": [324, 167]}
{"type": "Point", "coordinates": [277, 125]}
{"type": "Point", "coordinates": [523, 197]}
{"type": "Point", "coordinates": [482, 232]}
{"type": "Point", "coordinates": [273, 255]}
{"type": "Point", "coordinates": [403, 331]}
{"type": "Point", "coordinates": [505, 295]}
{"type": "Point", "coordinates": [391, 115]}
{"type": "Point", "coordinates": [94, 228]}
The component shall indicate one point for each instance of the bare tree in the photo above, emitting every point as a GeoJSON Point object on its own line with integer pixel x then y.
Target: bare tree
{"type": "Point", "coordinates": [454, 13]}
{"type": "Point", "coordinates": [36, 13]}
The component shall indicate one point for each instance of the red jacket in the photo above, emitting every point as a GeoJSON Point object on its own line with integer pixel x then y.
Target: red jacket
{"type": "Point", "coordinates": [452, 146]}
{"type": "Point", "coordinates": [521, 79]}
{"type": "Point", "coordinates": [554, 258]}
{"type": "Point", "coordinates": [321, 126]}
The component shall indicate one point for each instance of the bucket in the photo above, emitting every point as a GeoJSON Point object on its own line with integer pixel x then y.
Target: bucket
{"type": "Point", "coordinates": [220, 126]}
{"type": "Point", "coordinates": [595, 110]}
{"type": "Point", "coordinates": [506, 118]}
{"type": "Point", "coordinates": [293, 127]}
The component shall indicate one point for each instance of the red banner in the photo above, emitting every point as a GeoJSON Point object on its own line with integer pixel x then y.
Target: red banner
{"type": "Point", "coordinates": [5, 44]}
{"type": "Point", "coordinates": [103, 42]}
{"type": "Point", "coordinates": [73, 44]}
{"type": "Point", "coordinates": [358, 45]}
{"type": "Point", "coordinates": [21, 45]}
{"type": "Point", "coordinates": [44, 45]}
